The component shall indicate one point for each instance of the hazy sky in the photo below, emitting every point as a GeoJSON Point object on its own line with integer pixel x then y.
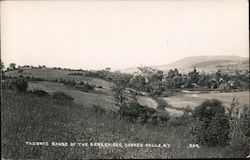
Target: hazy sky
{"type": "Point", "coordinates": [121, 34]}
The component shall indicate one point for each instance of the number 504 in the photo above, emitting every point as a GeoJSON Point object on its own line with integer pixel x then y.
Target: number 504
{"type": "Point", "coordinates": [194, 146]}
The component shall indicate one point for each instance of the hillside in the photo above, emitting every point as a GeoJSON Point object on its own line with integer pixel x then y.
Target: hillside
{"type": "Point", "coordinates": [206, 63]}
{"type": "Point", "coordinates": [52, 74]}
{"type": "Point", "coordinates": [27, 117]}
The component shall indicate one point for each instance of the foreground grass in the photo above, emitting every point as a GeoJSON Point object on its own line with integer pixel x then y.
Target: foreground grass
{"type": "Point", "coordinates": [26, 117]}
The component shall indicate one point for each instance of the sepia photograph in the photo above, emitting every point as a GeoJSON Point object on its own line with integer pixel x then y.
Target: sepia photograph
{"type": "Point", "coordinates": [124, 79]}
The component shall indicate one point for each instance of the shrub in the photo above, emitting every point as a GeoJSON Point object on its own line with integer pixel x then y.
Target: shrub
{"type": "Point", "coordinates": [239, 132]}
{"type": "Point", "coordinates": [36, 79]}
{"type": "Point", "coordinates": [210, 124]}
{"type": "Point", "coordinates": [183, 120]}
{"type": "Point", "coordinates": [134, 112]}
{"type": "Point", "coordinates": [21, 84]}
{"type": "Point", "coordinates": [39, 92]}
{"type": "Point", "coordinates": [62, 96]}
{"type": "Point", "coordinates": [7, 84]}
{"type": "Point", "coordinates": [81, 83]}
{"type": "Point", "coordinates": [85, 87]}
{"type": "Point", "coordinates": [155, 92]}
{"type": "Point", "coordinates": [161, 103]}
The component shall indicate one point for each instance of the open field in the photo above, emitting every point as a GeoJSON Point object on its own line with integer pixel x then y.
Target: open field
{"type": "Point", "coordinates": [104, 97]}
{"type": "Point", "coordinates": [86, 99]}
{"type": "Point", "coordinates": [26, 117]}
{"type": "Point", "coordinates": [183, 100]}
{"type": "Point", "coordinates": [51, 74]}
{"type": "Point", "coordinates": [147, 101]}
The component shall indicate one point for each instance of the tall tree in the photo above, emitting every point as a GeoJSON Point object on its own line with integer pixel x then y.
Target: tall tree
{"type": "Point", "coordinates": [2, 66]}
{"type": "Point", "coordinates": [12, 65]}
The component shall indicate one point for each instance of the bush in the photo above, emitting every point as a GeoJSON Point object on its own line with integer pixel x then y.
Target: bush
{"type": "Point", "coordinates": [7, 84]}
{"type": "Point", "coordinates": [36, 79]}
{"type": "Point", "coordinates": [210, 124]}
{"type": "Point", "coordinates": [40, 93]}
{"type": "Point", "coordinates": [21, 84]}
{"type": "Point", "coordinates": [183, 120]}
{"type": "Point", "coordinates": [62, 96]}
{"type": "Point", "coordinates": [81, 83]}
{"type": "Point", "coordinates": [134, 112]}
{"type": "Point", "coordinates": [239, 132]}
{"type": "Point", "coordinates": [85, 87]}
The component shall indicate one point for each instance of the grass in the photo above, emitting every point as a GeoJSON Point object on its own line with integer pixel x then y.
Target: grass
{"type": "Point", "coordinates": [26, 117]}
{"type": "Point", "coordinates": [147, 101]}
{"type": "Point", "coordinates": [86, 99]}
{"type": "Point", "coordinates": [193, 100]}
{"type": "Point", "coordinates": [51, 74]}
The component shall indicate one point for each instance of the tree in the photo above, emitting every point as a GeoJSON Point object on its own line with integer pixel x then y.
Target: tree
{"type": "Point", "coordinates": [171, 73]}
{"type": "Point", "coordinates": [178, 81]}
{"type": "Point", "coordinates": [12, 65]}
{"type": "Point", "coordinates": [1, 66]}
{"type": "Point", "coordinates": [210, 124]}
{"type": "Point", "coordinates": [147, 69]}
{"type": "Point", "coordinates": [108, 69]}
{"type": "Point", "coordinates": [121, 81]}
{"type": "Point", "coordinates": [239, 129]}
{"type": "Point", "coordinates": [155, 77]}
{"type": "Point", "coordinates": [204, 80]}
{"type": "Point", "coordinates": [21, 84]}
{"type": "Point", "coordinates": [194, 75]}
{"type": "Point", "coordinates": [119, 95]}
{"type": "Point", "coordinates": [138, 82]}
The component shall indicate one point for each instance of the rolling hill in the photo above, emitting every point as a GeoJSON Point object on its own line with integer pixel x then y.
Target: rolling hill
{"type": "Point", "coordinates": [205, 63]}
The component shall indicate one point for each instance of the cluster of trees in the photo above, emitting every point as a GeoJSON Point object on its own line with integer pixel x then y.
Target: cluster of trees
{"type": "Point", "coordinates": [158, 82]}
{"type": "Point", "coordinates": [130, 109]}
{"type": "Point", "coordinates": [155, 82]}
{"type": "Point", "coordinates": [212, 125]}
{"type": "Point", "coordinates": [76, 74]}
{"type": "Point", "coordinates": [134, 112]}
{"type": "Point", "coordinates": [13, 66]}
{"type": "Point", "coordinates": [20, 84]}
{"type": "Point", "coordinates": [83, 86]}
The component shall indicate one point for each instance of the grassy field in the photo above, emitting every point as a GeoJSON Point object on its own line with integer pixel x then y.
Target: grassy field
{"type": "Point", "coordinates": [193, 100]}
{"type": "Point", "coordinates": [26, 117]}
{"type": "Point", "coordinates": [147, 101]}
{"type": "Point", "coordinates": [51, 74]}
{"type": "Point", "coordinates": [86, 99]}
{"type": "Point", "coordinates": [104, 97]}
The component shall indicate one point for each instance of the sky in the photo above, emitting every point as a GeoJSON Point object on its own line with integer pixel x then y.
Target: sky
{"type": "Point", "coordinates": [121, 34]}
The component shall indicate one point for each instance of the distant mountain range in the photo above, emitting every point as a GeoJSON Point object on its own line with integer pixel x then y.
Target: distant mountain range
{"type": "Point", "coordinates": [203, 63]}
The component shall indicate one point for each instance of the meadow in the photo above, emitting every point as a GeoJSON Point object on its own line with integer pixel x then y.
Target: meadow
{"type": "Point", "coordinates": [194, 99]}
{"type": "Point", "coordinates": [174, 104]}
{"type": "Point", "coordinates": [87, 99]}
{"type": "Point", "coordinates": [27, 117]}
{"type": "Point", "coordinates": [53, 74]}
